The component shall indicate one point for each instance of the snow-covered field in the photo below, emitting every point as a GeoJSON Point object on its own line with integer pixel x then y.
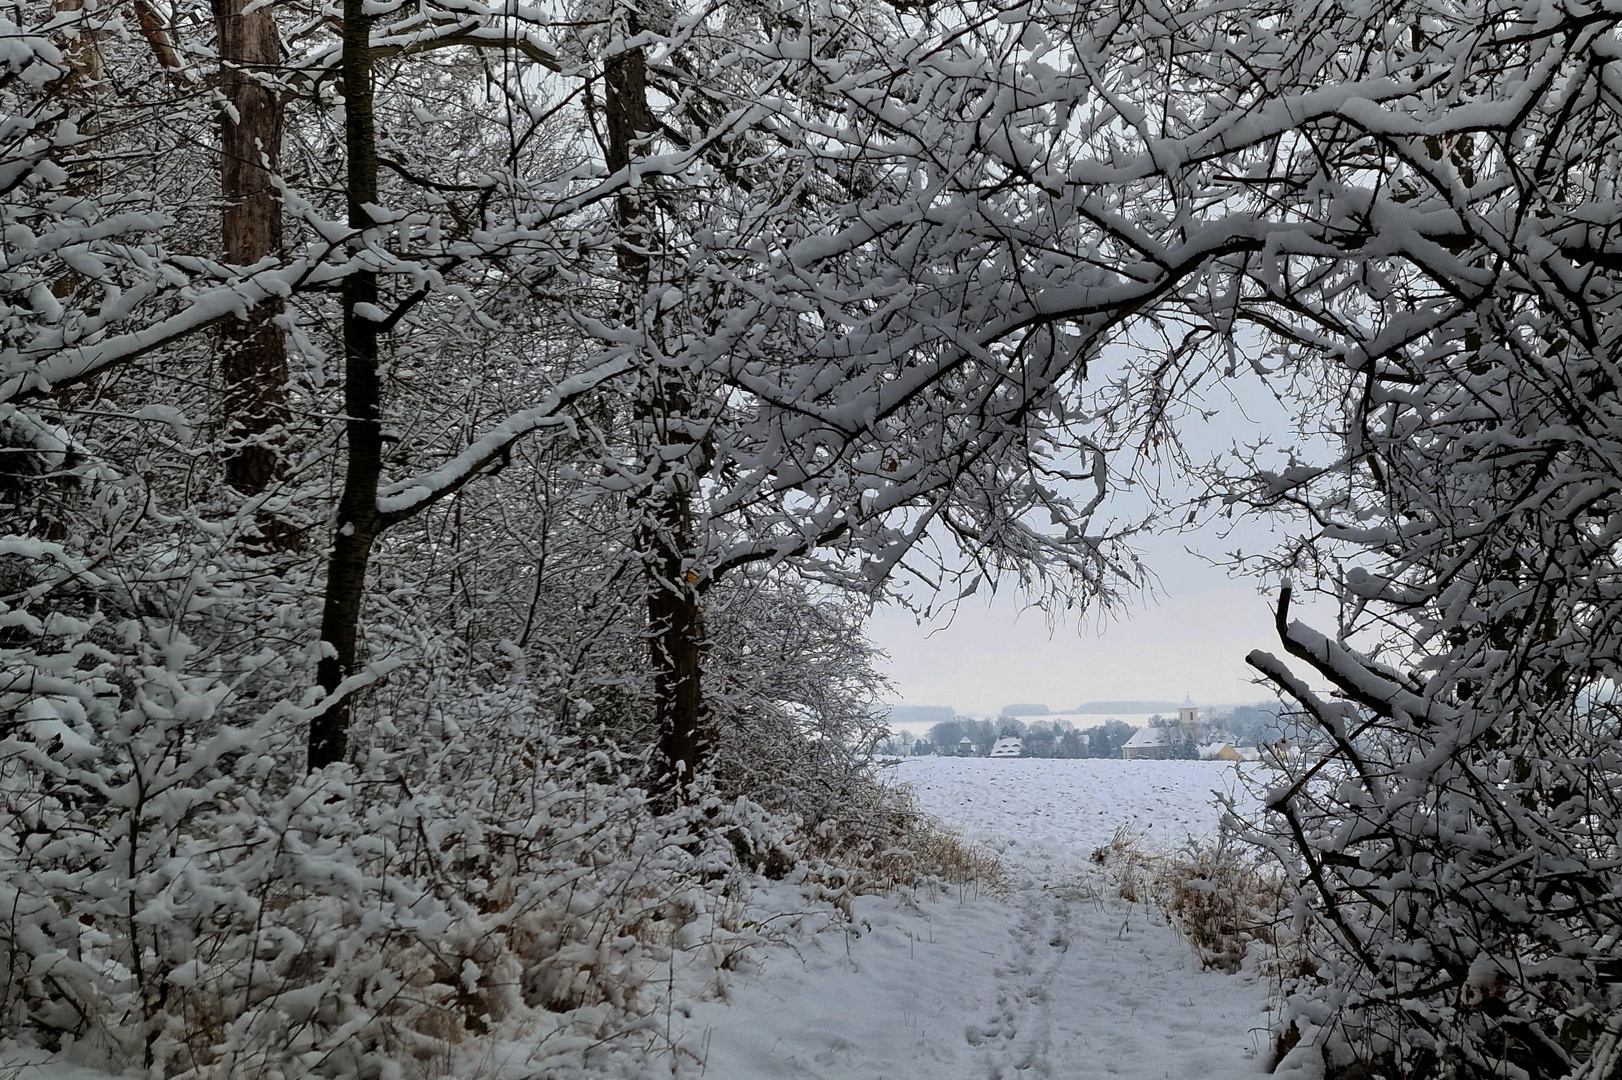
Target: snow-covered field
{"type": "Point", "coordinates": [1071, 806]}
{"type": "Point", "coordinates": [1039, 984]}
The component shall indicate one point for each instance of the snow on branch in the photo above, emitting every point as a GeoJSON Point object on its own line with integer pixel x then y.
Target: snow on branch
{"type": "Point", "coordinates": [34, 369]}
{"type": "Point", "coordinates": [403, 498]}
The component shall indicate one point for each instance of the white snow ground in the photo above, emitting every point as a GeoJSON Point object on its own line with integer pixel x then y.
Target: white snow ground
{"type": "Point", "coordinates": [1042, 984]}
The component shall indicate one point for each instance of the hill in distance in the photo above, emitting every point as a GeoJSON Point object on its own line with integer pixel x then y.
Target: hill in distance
{"type": "Point", "coordinates": [919, 714]}
{"type": "Point", "coordinates": [1129, 707]}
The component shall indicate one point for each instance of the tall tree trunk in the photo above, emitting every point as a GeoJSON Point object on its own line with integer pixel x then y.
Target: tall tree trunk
{"type": "Point", "coordinates": [80, 88]}
{"type": "Point", "coordinates": [676, 629]}
{"type": "Point", "coordinates": [254, 354]}
{"type": "Point", "coordinates": [358, 518]}
{"type": "Point", "coordinates": [664, 507]}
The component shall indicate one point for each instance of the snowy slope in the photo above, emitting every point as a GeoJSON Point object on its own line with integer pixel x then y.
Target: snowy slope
{"type": "Point", "coordinates": [1044, 983]}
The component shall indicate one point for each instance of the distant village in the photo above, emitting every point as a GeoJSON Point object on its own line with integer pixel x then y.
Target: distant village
{"type": "Point", "coordinates": [1186, 731]}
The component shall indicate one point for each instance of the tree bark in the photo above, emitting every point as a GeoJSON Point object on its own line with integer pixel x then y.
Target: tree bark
{"type": "Point", "coordinates": [254, 349]}
{"type": "Point", "coordinates": [358, 520]}
{"type": "Point", "coordinates": [664, 506]}
{"type": "Point", "coordinates": [85, 66]}
{"type": "Point", "coordinates": [80, 87]}
{"type": "Point", "coordinates": [155, 29]}
{"type": "Point", "coordinates": [676, 628]}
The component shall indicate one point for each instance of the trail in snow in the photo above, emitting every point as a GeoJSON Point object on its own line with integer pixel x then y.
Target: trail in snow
{"type": "Point", "coordinates": [1044, 983]}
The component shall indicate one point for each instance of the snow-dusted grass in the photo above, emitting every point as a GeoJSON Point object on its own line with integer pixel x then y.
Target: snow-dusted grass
{"type": "Point", "coordinates": [1049, 980]}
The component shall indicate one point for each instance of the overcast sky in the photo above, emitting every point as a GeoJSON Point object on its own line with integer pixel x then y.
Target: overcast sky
{"type": "Point", "coordinates": [1189, 637]}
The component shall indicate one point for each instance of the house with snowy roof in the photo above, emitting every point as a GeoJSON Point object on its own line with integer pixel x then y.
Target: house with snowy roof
{"type": "Point", "coordinates": [1008, 746]}
{"type": "Point", "coordinates": [1148, 743]}
{"type": "Point", "coordinates": [1158, 740]}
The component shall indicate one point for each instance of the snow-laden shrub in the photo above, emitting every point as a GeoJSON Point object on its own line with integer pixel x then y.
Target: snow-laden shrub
{"type": "Point", "coordinates": [794, 698]}
{"type": "Point", "coordinates": [1223, 897]}
{"type": "Point", "coordinates": [179, 897]}
{"type": "Point", "coordinates": [182, 898]}
{"type": "Point", "coordinates": [881, 841]}
{"type": "Point", "coordinates": [1458, 890]}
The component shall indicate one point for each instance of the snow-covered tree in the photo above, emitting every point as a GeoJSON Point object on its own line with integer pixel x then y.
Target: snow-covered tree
{"type": "Point", "coordinates": [1442, 286]}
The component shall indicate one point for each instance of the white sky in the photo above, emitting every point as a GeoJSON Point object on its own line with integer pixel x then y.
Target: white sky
{"type": "Point", "coordinates": [1189, 637]}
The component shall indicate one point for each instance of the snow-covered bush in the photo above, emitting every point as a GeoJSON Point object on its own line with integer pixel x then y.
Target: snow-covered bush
{"type": "Point", "coordinates": [177, 898]}
{"type": "Point", "coordinates": [1226, 899]}
{"type": "Point", "coordinates": [1455, 847]}
{"type": "Point", "coordinates": [1453, 822]}
{"type": "Point", "coordinates": [182, 897]}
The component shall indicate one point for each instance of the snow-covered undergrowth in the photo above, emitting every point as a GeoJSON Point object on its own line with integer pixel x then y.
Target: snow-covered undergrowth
{"type": "Point", "coordinates": [487, 895]}
{"type": "Point", "coordinates": [178, 900]}
{"type": "Point", "coordinates": [1226, 898]}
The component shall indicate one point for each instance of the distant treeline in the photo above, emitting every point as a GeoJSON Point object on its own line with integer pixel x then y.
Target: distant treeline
{"type": "Point", "coordinates": [1042, 738]}
{"type": "Point", "coordinates": [1244, 725]}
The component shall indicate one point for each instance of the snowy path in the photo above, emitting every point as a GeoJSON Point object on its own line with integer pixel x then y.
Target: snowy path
{"type": "Point", "coordinates": [1042, 984]}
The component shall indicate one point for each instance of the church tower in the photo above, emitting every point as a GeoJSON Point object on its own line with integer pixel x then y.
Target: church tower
{"type": "Point", "coordinates": [1188, 715]}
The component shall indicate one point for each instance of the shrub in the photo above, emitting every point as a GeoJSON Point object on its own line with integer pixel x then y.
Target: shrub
{"type": "Point", "coordinates": [177, 899]}
{"type": "Point", "coordinates": [1221, 896]}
